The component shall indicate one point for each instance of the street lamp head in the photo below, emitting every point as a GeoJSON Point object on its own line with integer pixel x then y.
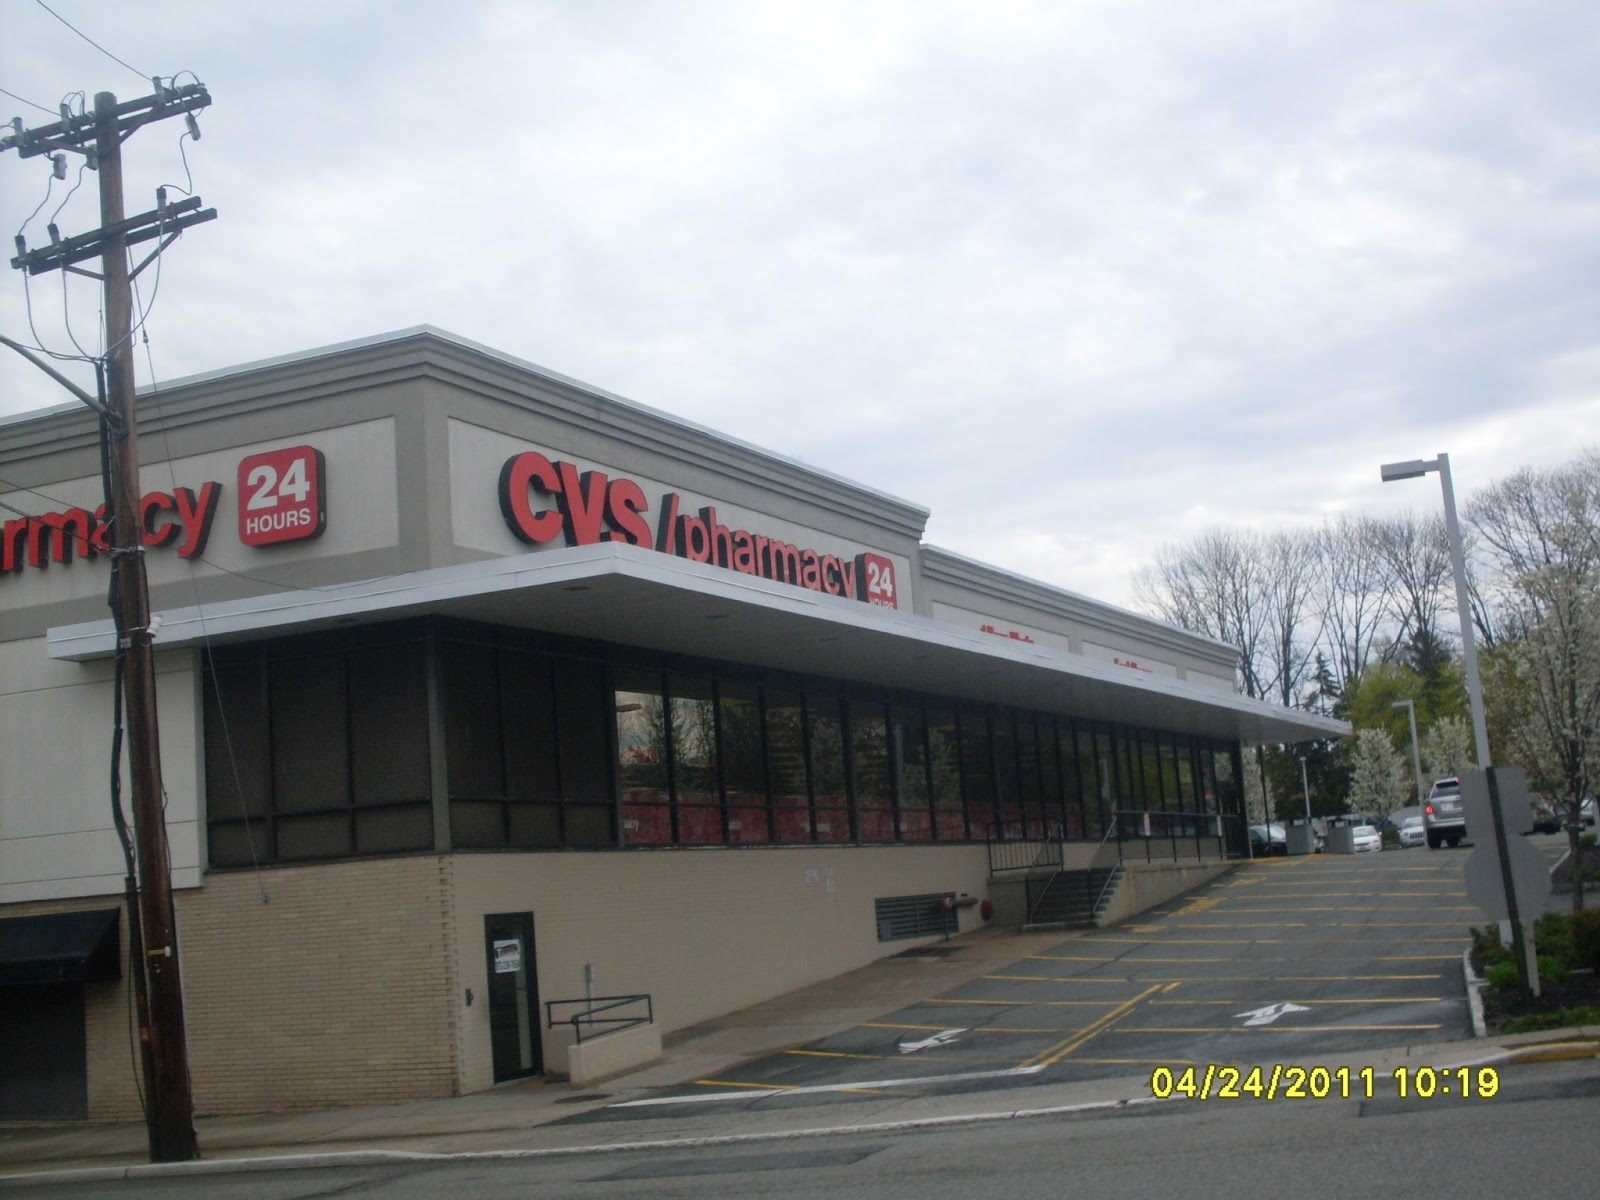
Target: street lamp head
{"type": "Point", "coordinates": [1411, 469]}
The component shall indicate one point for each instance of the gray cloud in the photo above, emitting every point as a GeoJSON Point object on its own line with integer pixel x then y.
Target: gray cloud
{"type": "Point", "coordinates": [1081, 278]}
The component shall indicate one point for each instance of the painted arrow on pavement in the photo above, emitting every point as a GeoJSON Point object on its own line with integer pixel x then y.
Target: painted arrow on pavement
{"type": "Point", "coordinates": [939, 1039]}
{"type": "Point", "coordinates": [1269, 1014]}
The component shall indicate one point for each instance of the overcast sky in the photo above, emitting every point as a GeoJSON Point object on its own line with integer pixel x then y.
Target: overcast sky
{"type": "Point", "coordinates": [1083, 278]}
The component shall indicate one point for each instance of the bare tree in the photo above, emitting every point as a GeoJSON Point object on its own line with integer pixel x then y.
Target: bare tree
{"type": "Point", "coordinates": [1289, 564]}
{"type": "Point", "coordinates": [1213, 586]}
{"type": "Point", "coordinates": [1355, 595]}
{"type": "Point", "coordinates": [1416, 555]}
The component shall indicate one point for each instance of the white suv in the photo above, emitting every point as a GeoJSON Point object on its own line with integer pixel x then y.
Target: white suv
{"type": "Point", "coordinates": [1442, 817]}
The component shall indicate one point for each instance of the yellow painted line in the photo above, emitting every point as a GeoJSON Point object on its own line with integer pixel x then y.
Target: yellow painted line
{"type": "Point", "coordinates": [770, 1087]}
{"type": "Point", "coordinates": [1174, 984]}
{"type": "Point", "coordinates": [1020, 1003]}
{"type": "Point", "coordinates": [1055, 978]}
{"type": "Point", "coordinates": [1067, 958]}
{"type": "Point", "coordinates": [833, 1054]}
{"type": "Point", "coordinates": [1294, 1000]}
{"type": "Point", "coordinates": [964, 1032]}
{"type": "Point", "coordinates": [1054, 1054]}
{"type": "Point", "coordinates": [1198, 906]}
{"type": "Point", "coordinates": [1272, 1028]}
{"type": "Point", "coordinates": [921, 1057]}
{"type": "Point", "coordinates": [1416, 957]}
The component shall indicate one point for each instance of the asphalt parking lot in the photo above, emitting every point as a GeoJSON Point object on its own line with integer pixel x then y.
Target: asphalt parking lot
{"type": "Point", "coordinates": [1278, 961]}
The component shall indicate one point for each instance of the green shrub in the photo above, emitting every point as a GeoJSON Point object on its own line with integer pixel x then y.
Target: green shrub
{"type": "Point", "coordinates": [1486, 948]}
{"type": "Point", "coordinates": [1585, 933]}
{"type": "Point", "coordinates": [1552, 935]}
{"type": "Point", "coordinates": [1587, 839]}
{"type": "Point", "coordinates": [1551, 968]}
{"type": "Point", "coordinates": [1533, 1022]}
{"type": "Point", "coordinates": [1502, 974]}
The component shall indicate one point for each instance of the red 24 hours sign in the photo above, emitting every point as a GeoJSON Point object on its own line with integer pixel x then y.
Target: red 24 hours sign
{"type": "Point", "coordinates": [282, 497]}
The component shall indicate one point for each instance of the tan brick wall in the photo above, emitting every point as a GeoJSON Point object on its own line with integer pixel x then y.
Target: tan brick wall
{"type": "Point", "coordinates": [705, 932]}
{"type": "Point", "coordinates": [334, 990]}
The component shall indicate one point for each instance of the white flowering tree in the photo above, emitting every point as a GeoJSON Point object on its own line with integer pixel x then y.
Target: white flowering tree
{"type": "Point", "coordinates": [1380, 779]}
{"type": "Point", "coordinates": [1447, 749]}
{"type": "Point", "coordinates": [1541, 530]}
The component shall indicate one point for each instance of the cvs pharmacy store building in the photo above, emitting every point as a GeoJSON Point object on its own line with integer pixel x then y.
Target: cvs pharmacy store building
{"type": "Point", "coordinates": [476, 682]}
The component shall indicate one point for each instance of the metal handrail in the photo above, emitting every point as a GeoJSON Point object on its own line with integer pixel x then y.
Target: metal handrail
{"type": "Point", "coordinates": [588, 1017]}
{"type": "Point", "coordinates": [1096, 858]}
{"type": "Point", "coordinates": [1013, 854]}
{"type": "Point", "coordinates": [1056, 838]}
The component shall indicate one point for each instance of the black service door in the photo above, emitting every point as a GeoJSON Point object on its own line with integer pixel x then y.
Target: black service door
{"type": "Point", "coordinates": [513, 996]}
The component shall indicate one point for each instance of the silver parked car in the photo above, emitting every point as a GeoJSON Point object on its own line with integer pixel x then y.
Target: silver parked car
{"type": "Point", "coordinates": [1411, 832]}
{"type": "Point", "coordinates": [1442, 817]}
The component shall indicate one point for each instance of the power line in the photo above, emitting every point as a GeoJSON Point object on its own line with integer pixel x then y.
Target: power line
{"type": "Point", "coordinates": [25, 100]}
{"type": "Point", "coordinates": [90, 40]}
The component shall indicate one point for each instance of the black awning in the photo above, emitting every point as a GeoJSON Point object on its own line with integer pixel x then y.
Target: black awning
{"type": "Point", "coordinates": [67, 947]}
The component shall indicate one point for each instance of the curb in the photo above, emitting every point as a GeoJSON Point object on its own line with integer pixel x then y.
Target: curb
{"type": "Point", "coordinates": [298, 1162]}
{"type": "Point", "coordinates": [1475, 986]}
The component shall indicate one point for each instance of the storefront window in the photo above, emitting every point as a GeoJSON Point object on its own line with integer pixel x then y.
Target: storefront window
{"type": "Point", "coordinates": [909, 757]}
{"type": "Point", "coordinates": [743, 764]}
{"type": "Point", "coordinates": [825, 731]}
{"type": "Point", "coordinates": [869, 759]}
{"type": "Point", "coordinates": [786, 764]}
{"type": "Point", "coordinates": [977, 775]}
{"type": "Point", "coordinates": [944, 776]}
{"type": "Point", "coordinates": [641, 714]}
{"type": "Point", "coordinates": [329, 738]}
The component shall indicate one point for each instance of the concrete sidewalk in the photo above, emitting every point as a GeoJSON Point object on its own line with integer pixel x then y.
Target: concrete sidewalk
{"type": "Point", "coordinates": [526, 1118]}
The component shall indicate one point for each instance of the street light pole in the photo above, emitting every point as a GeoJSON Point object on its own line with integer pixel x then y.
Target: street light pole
{"type": "Point", "coordinates": [1413, 469]}
{"type": "Point", "coordinates": [1305, 788]}
{"type": "Point", "coordinates": [1458, 564]}
{"type": "Point", "coordinates": [1416, 752]}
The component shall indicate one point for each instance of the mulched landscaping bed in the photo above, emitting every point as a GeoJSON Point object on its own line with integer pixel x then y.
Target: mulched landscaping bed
{"type": "Point", "coordinates": [1580, 989]}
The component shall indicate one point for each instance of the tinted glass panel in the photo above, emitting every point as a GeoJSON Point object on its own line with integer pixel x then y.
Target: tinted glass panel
{"type": "Point", "coordinates": [977, 775]}
{"type": "Point", "coordinates": [469, 682]}
{"type": "Point", "coordinates": [743, 766]}
{"type": "Point", "coordinates": [786, 760]}
{"type": "Point", "coordinates": [391, 830]}
{"type": "Point", "coordinates": [238, 759]}
{"type": "Point", "coordinates": [389, 727]}
{"type": "Point", "coordinates": [527, 702]}
{"type": "Point", "coordinates": [944, 775]}
{"type": "Point", "coordinates": [311, 769]}
{"type": "Point", "coordinates": [909, 753]}
{"type": "Point", "coordinates": [581, 727]}
{"type": "Point", "coordinates": [694, 741]}
{"type": "Point", "coordinates": [827, 753]}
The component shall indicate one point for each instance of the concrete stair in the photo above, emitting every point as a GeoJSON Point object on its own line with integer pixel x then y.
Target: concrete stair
{"type": "Point", "coordinates": [1069, 898]}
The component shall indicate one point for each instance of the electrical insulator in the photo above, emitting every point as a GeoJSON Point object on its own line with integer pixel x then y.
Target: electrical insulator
{"type": "Point", "coordinates": [194, 126]}
{"type": "Point", "coordinates": [58, 165]}
{"type": "Point", "coordinates": [161, 197]}
{"type": "Point", "coordinates": [54, 232]}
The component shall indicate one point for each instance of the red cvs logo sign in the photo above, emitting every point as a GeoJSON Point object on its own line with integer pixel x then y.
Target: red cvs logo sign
{"type": "Point", "coordinates": [282, 497]}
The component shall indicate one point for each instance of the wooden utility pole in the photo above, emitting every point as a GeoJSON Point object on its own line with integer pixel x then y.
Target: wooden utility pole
{"type": "Point", "coordinates": [170, 1106]}
{"type": "Point", "coordinates": [171, 1115]}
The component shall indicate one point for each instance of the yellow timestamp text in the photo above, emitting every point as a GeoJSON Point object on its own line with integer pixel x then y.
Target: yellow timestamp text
{"type": "Point", "coordinates": [1281, 1081]}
